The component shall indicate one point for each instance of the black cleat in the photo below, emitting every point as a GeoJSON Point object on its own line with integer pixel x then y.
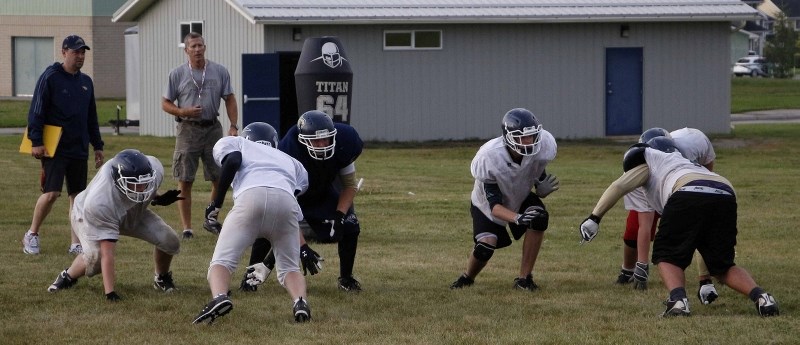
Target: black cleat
{"type": "Point", "coordinates": [218, 306]}
{"type": "Point", "coordinates": [676, 308]}
{"type": "Point", "coordinates": [301, 310]}
{"type": "Point", "coordinates": [62, 282]}
{"type": "Point", "coordinates": [164, 282]}
{"type": "Point", "coordinates": [462, 282]}
{"type": "Point", "coordinates": [526, 283]}
{"type": "Point", "coordinates": [349, 284]}
{"type": "Point", "coordinates": [625, 276]}
{"type": "Point", "coordinates": [766, 305]}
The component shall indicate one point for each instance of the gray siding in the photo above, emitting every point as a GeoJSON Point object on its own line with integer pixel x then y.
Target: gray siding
{"type": "Point", "coordinates": [555, 70]}
{"type": "Point", "coordinates": [227, 36]}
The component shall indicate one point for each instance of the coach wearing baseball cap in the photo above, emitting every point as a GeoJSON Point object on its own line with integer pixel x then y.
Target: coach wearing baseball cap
{"type": "Point", "coordinates": [63, 97]}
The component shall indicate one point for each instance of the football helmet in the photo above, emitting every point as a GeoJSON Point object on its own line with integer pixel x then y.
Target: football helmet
{"type": "Point", "coordinates": [519, 123]}
{"type": "Point", "coordinates": [262, 133]}
{"type": "Point", "coordinates": [133, 175]}
{"type": "Point", "coordinates": [663, 144]}
{"type": "Point", "coordinates": [652, 133]}
{"type": "Point", "coordinates": [317, 133]}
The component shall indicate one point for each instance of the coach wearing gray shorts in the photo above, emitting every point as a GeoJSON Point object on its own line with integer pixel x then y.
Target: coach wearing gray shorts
{"type": "Point", "coordinates": [197, 86]}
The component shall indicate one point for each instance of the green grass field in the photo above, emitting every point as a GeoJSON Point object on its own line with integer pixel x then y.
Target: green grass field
{"type": "Point", "coordinates": [416, 235]}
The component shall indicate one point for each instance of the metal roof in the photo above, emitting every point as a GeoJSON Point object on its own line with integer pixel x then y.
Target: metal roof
{"type": "Point", "coordinates": [487, 11]}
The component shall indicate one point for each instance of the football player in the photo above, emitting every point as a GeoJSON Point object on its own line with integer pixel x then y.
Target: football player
{"type": "Point", "coordinates": [698, 212]}
{"type": "Point", "coordinates": [328, 152]}
{"type": "Point", "coordinates": [113, 204]}
{"type": "Point", "coordinates": [510, 182]}
{"type": "Point", "coordinates": [642, 219]}
{"type": "Point", "coordinates": [265, 182]}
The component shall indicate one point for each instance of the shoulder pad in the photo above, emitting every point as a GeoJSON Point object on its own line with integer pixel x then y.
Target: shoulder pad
{"type": "Point", "coordinates": [634, 157]}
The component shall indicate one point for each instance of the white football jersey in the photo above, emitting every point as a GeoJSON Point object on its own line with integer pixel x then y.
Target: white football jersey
{"type": "Point", "coordinates": [105, 209]}
{"type": "Point", "coordinates": [665, 169]}
{"type": "Point", "coordinates": [262, 166]}
{"type": "Point", "coordinates": [493, 164]}
{"type": "Point", "coordinates": [694, 145]}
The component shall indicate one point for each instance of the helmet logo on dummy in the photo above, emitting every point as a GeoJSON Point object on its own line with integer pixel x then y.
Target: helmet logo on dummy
{"type": "Point", "coordinates": [330, 55]}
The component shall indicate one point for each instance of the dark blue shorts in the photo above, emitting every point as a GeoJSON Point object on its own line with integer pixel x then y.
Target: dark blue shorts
{"type": "Point", "coordinates": [56, 169]}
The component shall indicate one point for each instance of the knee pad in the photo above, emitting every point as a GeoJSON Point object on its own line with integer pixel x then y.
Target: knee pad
{"type": "Point", "coordinates": [483, 251]}
{"type": "Point", "coordinates": [630, 243]}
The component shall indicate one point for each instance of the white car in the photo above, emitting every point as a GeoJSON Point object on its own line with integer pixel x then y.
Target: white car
{"type": "Point", "coordinates": [753, 65]}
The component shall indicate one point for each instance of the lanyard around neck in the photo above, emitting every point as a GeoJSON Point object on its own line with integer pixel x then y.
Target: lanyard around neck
{"type": "Point", "coordinates": [202, 80]}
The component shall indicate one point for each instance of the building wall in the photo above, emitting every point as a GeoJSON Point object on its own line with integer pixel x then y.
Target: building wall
{"type": "Point", "coordinates": [227, 35]}
{"type": "Point", "coordinates": [461, 91]}
{"type": "Point", "coordinates": [104, 62]}
{"type": "Point", "coordinates": [555, 70]}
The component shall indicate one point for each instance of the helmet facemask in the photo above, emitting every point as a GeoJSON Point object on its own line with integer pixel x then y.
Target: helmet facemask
{"type": "Point", "coordinates": [136, 188]}
{"type": "Point", "coordinates": [514, 140]}
{"type": "Point", "coordinates": [322, 152]}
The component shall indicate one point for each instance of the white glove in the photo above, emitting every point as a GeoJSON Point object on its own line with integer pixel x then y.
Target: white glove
{"type": "Point", "coordinates": [548, 185]}
{"type": "Point", "coordinates": [589, 228]}
{"type": "Point", "coordinates": [257, 274]}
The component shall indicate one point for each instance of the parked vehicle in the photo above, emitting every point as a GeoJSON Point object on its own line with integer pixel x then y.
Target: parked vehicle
{"type": "Point", "coordinates": [753, 65]}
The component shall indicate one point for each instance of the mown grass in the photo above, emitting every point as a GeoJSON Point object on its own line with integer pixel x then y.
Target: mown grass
{"type": "Point", "coordinates": [14, 112]}
{"type": "Point", "coordinates": [415, 240]}
{"type": "Point", "coordinates": [751, 94]}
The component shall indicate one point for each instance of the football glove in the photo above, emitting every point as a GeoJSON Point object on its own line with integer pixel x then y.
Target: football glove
{"type": "Point", "coordinates": [640, 275]}
{"type": "Point", "coordinates": [211, 223]}
{"type": "Point", "coordinates": [589, 228]}
{"type": "Point", "coordinates": [546, 186]}
{"type": "Point", "coordinates": [312, 262]}
{"type": "Point", "coordinates": [529, 215]}
{"type": "Point", "coordinates": [337, 225]}
{"type": "Point", "coordinates": [167, 198]}
{"type": "Point", "coordinates": [257, 274]}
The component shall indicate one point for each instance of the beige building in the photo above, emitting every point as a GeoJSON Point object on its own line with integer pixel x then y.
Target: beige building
{"type": "Point", "coordinates": [31, 33]}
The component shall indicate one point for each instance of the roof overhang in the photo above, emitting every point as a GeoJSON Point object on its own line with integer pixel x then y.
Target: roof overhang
{"type": "Point", "coordinates": [131, 10]}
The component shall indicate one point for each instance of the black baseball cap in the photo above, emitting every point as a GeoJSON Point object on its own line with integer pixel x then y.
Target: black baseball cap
{"type": "Point", "coordinates": [74, 42]}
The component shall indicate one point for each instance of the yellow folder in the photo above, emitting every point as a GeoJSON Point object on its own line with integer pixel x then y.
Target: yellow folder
{"type": "Point", "coordinates": [52, 134]}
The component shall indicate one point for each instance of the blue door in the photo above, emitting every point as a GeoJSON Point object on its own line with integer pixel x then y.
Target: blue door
{"type": "Point", "coordinates": [261, 89]}
{"type": "Point", "coordinates": [623, 91]}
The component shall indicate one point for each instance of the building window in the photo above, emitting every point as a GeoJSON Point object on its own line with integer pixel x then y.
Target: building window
{"type": "Point", "coordinates": [412, 39]}
{"type": "Point", "coordinates": [186, 27]}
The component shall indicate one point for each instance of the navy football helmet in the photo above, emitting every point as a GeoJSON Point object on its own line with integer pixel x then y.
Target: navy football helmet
{"type": "Point", "coordinates": [519, 123]}
{"type": "Point", "coordinates": [317, 133]}
{"type": "Point", "coordinates": [663, 144]}
{"type": "Point", "coordinates": [262, 133]}
{"type": "Point", "coordinates": [133, 175]}
{"type": "Point", "coordinates": [652, 133]}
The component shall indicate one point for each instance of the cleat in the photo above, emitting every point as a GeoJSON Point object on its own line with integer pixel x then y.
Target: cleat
{"type": "Point", "coordinates": [164, 282]}
{"type": "Point", "coordinates": [244, 287]}
{"type": "Point", "coordinates": [676, 308]}
{"type": "Point", "coordinates": [349, 284]}
{"type": "Point", "coordinates": [30, 243]}
{"type": "Point", "coordinates": [62, 282]}
{"type": "Point", "coordinates": [706, 292]}
{"type": "Point", "coordinates": [188, 234]}
{"type": "Point", "coordinates": [462, 282]}
{"type": "Point", "coordinates": [625, 276]}
{"type": "Point", "coordinates": [218, 306]}
{"type": "Point", "coordinates": [766, 305]}
{"type": "Point", "coordinates": [75, 249]}
{"type": "Point", "coordinates": [302, 313]}
{"type": "Point", "coordinates": [525, 284]}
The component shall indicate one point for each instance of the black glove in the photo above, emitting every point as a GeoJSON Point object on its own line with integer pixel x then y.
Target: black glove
{"type": "Point", "coordinates": [167, 198]}
{"type": "Point", "coordinates": [337, 225]}
{"type": "Point", "coordinates": [529, 215]}
{"type": "Point", "coordinates": [113, 297]}
{"type": "Point", "coordinates": [211, 223]}
{"type": "Point", "coordinates": [312, 262]}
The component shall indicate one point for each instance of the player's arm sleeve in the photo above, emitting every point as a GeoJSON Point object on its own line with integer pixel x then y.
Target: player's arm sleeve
{"type": "Point", "coordinates": [626, 183]}
{"type": "Point", "coordinates": [230, 165]}
{"type": "Point", "coordinates": [493, 194]}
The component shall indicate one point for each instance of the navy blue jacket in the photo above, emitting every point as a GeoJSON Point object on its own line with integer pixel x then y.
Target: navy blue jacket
{"type": "Point", "coordinates": [65, 100]}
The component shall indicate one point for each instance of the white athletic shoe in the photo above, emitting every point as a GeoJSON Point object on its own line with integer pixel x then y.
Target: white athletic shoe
{"type": "Point", "coordinates": [75, 249]}
{"type": "Point", "coordinates": [30, 243]}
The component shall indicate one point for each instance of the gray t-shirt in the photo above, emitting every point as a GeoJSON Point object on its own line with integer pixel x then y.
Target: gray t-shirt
{"type": "Point", "coordinates": [185, 82]}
